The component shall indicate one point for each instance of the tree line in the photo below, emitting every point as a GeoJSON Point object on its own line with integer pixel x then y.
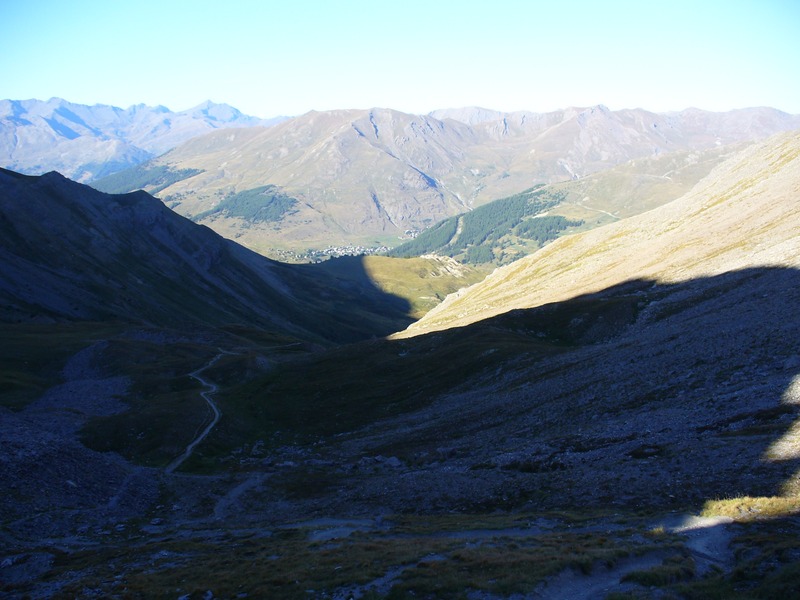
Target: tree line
{"type": "Point", "coordinates": [264, 203]}
{"type": "Point", "coordinates": [472, 236]}
{"type": "Point", "coordinates": [140, 177]}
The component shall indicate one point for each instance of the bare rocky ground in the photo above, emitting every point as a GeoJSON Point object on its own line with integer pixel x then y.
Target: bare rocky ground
{"type": "Point", "coordinates": [694, 397]}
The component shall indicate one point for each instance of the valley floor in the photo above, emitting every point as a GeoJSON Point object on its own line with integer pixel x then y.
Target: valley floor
{"type": "Point", "coordinates": [212, 540]}
{"type": "Point", "coordinates": [641, 442]}
{"type": "Point", "coordinates": [507, 502]}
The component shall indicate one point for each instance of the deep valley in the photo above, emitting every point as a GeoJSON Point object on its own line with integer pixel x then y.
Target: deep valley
{"type": "Point", "coordinates": [611, 414]}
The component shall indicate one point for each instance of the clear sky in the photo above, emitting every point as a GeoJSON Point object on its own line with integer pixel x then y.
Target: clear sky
{"type": "Point", "coordinates": [287, 57]}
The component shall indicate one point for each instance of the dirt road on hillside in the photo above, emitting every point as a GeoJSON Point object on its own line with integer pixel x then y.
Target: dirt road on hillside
{"type": "Point", "coordinates": [211, 389]}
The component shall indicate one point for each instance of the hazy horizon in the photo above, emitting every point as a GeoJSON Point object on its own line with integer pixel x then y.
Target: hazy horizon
{"type": "Point", "coordinates": [270, 59]}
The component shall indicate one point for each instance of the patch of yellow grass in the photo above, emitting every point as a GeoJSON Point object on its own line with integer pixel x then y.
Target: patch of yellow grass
{"type": "Point", "coordinates": [748, 508]}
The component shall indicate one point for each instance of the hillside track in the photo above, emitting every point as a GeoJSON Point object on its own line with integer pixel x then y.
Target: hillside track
{"type": "Point", "coordinates": [211, 389]}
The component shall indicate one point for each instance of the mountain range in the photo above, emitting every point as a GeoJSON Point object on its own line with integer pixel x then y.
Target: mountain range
{"type": "Point", "coordinates": [370, 177]}
{"type": "Point", "coordinates": [87, 142]}
{"type": "Point", "coordinates": [616, 413]}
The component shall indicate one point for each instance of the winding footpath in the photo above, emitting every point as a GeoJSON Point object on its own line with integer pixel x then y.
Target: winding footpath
{"type": "Point", "coordinates": [211, 389]}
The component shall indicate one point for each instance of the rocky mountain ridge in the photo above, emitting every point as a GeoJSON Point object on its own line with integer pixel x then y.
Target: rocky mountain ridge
{"type": "Point", "coordinates": [371, 176]}
{"type": "Point", "coordinates": [88, 142]}
{"type": "Point", "coordinates": [71, 254]}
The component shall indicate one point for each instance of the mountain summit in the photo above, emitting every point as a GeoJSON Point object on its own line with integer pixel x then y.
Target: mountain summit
{"type": "Point", "coordinates": [87, 142]}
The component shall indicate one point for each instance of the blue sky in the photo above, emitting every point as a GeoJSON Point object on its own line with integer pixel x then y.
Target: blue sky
{"type": "Point", "coordinates": [271, 58]}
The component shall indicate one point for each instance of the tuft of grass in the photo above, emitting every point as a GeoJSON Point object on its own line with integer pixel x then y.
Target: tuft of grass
{"type": "Point", "coordinates": [657, 531]}
{"type": "Point", "coordinates": [747, 508]}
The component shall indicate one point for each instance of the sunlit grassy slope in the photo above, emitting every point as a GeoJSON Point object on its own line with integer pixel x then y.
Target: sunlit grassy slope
{"type": "Point", "coordinates": [423, 281]}
{"type": "Point", "coordinates": [743, 213]}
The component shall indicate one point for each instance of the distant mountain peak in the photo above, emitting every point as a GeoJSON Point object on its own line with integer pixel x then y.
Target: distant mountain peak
{"type": "Point", "coordinates": [223, 113]}
{"type": "Point", "coordinates": [470, 115]}
{"type": "Point", "coordinates": [89, 142]}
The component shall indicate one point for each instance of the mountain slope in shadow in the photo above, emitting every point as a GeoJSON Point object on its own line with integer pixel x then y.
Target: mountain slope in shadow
{"type": "Point", "coordinates": [503, 441]}
{"type": "Point", "coordinates": [641, 395]}
{"type": "Point", "coordinates": [70, 253]}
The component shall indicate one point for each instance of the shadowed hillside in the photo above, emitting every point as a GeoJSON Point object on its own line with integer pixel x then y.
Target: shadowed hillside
{"type": "Point", "coordinates": [70, 253]}
{"type": "Point", "coordinates": [574, 436]}
{"type": "Point", "coordinates": [642, 394]}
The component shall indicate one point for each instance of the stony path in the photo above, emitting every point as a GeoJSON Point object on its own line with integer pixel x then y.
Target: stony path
{"type": "Point", "coordinates": [207, 394]}
{"type": "Point", "coordinates": [708, 540]}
